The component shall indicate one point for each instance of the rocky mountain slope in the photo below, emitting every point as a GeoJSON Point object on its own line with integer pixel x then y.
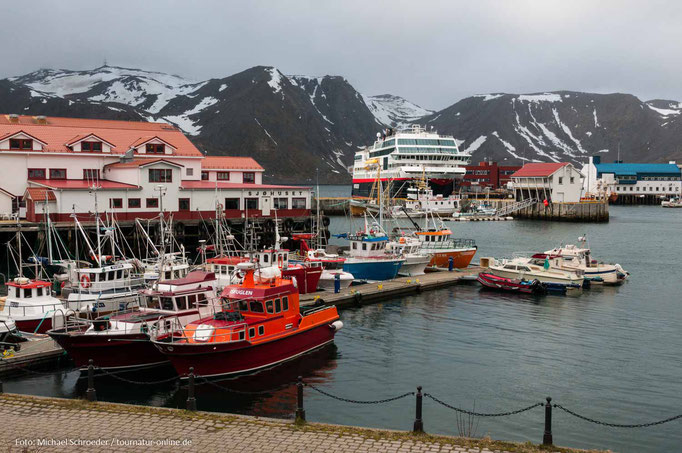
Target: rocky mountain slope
{"type": "Point", "coordinates": [295, 124]}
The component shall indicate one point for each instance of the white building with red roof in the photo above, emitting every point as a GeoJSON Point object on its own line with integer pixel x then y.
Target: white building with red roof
{"type": "Point", "coordinates": [558, 182]}
{"type": "Point", "coordinates": [57, 164]}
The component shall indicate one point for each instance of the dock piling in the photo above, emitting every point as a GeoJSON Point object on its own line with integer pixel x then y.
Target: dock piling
{"type": "Point", "coordinates": [90, 393]}
{"type": "Point", "coordinates": [547, 436]}
{"type": "Point", "coordinates": [300, 412]}
{"type": "Point", "coordinates": [418, 422]}
{"type": "Point", "coordinates": [191, 400]}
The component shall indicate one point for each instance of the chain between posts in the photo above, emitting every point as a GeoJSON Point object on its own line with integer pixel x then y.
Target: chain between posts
{"type": "Point", "coordinates": [348, 400]}
{"type": "Point", "coordinates": [617, 425]}
{"type": "Point", "coordinates": [480, 414]}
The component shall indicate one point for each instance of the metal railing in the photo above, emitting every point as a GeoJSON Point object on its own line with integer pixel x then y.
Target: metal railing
{"type": "Point", "coordinates": [513, 207]}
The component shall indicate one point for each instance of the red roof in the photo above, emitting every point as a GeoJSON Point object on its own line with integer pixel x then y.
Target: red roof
{"type": "Point", "coordinates": [79, 184]}
{"type": "Point", "coordinates": [40, 194]}
{"type": "Point", "coordinates": [142, 162]}
{"type": "Point", "coordinates": [80, 137]}
{"type": "Point", "coordinates": [56, 132]}
{"type": "Point", "coordinates": [210, 185]}
{"type": "Point", "coordinates": [230, 163]}
{"type": "Point", "coordinates": [538, 170]}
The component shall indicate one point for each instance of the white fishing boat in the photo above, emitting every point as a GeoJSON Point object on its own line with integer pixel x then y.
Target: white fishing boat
{"type": "Point", "coordinates": [416, 258]}
{"type": "Point", "coordinates": [580, 257]}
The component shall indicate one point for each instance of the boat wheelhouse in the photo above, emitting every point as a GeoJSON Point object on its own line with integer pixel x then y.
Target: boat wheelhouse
{"type": "Point", "coordinates": [261, 325]}
{"type": "Point", "coordinates": [105, 289]}
{"type": "Point", "coordinates": [120, 340]}
{"type": "Point", "coordinates": [30, 304]}
{"type": "Point", "coordinates": [369, 258]}
{"type": "Point", "coordinates": [408, 154]}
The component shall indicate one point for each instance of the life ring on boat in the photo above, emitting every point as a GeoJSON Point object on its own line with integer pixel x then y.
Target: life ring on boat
{"type": "Point", "coordinates": [85, 281]}
{"type": "Point", "coordinates": [63, 284]}
{"type": "Point", "coordinates": [402, 240]}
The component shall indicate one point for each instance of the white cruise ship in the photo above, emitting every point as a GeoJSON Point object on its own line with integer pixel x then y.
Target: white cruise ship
{"type": "Point", "coordinates": [404, 155]}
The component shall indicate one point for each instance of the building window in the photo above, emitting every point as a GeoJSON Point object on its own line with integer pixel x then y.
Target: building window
{"type": "Point", "coordinates": [155, 148]}
{"type": "Point", "coordinates": [281, 203]}
{"type": "Point", "coordinates": [134, 203]}
{"type": "Point", "coordinates": [572, 179]}
{"type": "Point", "coordinates": [561, 179]}
{"type": "Point", "coordinates": [115, 203]}
{"type": "Point", "coordinates": [57, 173]}
{"type": "Point", "coordinates": [36, 173]}
{"type": "Point", "coordinates": [189, 172]}
{"type": "Point", "coordinates": [90, 174]}
{"type": "Point", "coordinates": [94, 147]}
{"type": "Point", "coordinates": [251, 203]}
{"type": "Point", "coordinates": [249, 177]}
{"type": "Point", "coordinates": [152, 202]}
{"type": "Point", "coordinates": [183, 204]}
{"type": "Point", "coordinates": [204, 176]}
{"type": "Point", "coordinates": [160, 175]}
{"type": "Point", "coordinates": [20, 143]}
{"type": "Point", "coordinates": [231, 203]}
{"type": "Point", "coordinates": [223, 176]}
{"type": "Point", "coordinates": [298, 203]}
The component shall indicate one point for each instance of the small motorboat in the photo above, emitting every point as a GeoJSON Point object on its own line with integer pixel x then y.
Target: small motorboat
{"type": "Point", "coordinates": [511, 284]}
{"type": "Point", "coordinates": [523, 268]}
{"type": "Point", "coordinates": [30, 304]}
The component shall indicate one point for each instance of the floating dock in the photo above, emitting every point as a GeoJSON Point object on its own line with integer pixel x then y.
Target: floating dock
{"type": "Point", "coordinates": [40, 349]}
{"type": "Point", "coordinates": [371, 293]}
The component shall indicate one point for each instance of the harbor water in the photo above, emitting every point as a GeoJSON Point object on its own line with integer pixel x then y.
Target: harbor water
{"type": "Point", "coordinates": [612, 353]}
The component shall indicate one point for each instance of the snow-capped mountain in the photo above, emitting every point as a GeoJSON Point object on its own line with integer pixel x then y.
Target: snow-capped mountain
{"type": "Point", "coordinates": [395, 111]}
{"type": "Point", "coordinates": [563, 126]}
{"type": "Point", "coordinates": [296, 124]}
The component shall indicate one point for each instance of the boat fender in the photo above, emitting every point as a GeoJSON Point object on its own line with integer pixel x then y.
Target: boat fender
{"type": "Point", "coordinates": [144, 328]}
{"type": "Point", "coordinates": [336, 325]}
{"type": "Point", "coordinates": [419, 288]}
{"type": "Point", "coordinates": [357, 297]}
{"type": "Point", "coordinates": [318, 302]}
{"type": "Point", "coordinates": [325, 221]}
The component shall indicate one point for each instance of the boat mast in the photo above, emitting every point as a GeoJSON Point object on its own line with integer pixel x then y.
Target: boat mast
{"type": "Point", "coordinates": [317, 222]}
{"type": "Point", "coordinates": [99, 239]}
{"type": "Point", "coordinates": [49, 233]}
{"type": "Point", "coordinates": [18, 236]}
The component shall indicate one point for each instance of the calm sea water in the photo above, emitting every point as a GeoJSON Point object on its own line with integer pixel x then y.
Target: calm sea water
{"type": "Point", "coordinates": [611, 353]}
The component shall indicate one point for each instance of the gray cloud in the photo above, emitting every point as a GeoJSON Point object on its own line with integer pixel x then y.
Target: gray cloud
{"type": "Point", "coordinates": [431, 52]}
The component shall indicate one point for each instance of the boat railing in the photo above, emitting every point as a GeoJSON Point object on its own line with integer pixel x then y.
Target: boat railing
{"type": "Point", "coordinates": [174, 332]}
{"type": "Point", "coordinates": [117, 285]}
{"type": "Point", "coordinates": [20, 310]}
{"type": "Point", "coordinates": [450, 244]}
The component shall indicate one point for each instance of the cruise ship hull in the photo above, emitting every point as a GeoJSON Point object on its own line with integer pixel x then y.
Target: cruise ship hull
{"type": "Point", "coordinates": [398, 189]}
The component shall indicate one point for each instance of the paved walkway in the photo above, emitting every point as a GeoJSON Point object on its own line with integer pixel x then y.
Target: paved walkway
{"type": "Point", "coordinates": [33, 424]}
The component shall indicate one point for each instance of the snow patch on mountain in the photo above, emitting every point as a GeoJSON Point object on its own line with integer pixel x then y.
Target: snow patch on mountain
{"type": "Point", "coordinates": [475, 144]}
{"type": "Point", "coordinates": [508, 146]}
{"type": "Point", "coordinates": [664, 112]}
{"type": "Point", "coordinates": [544, 97]}
{"type": "Point", "coordinates": [275, 81]}
{"type": "Point", "coordinates": [488, 97]}
{"type": "Point", "coordinates": [184, 122]}
{"type": "Point", "coordinates": [393, 110]}
{"type": "Point", "coordinates": [266, 132]}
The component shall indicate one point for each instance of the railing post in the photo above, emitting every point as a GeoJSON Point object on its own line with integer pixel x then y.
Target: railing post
{"type": "Point", "coordinates": [300, 412]}
{"type": "Point", "coordinates": [547, 436]}
{"type": "Point", "coordinates": [191, 400]}
{"type": "Point", "coordinates": [90, 392]}
{"type": "Point", "coordinates": [418, 422]}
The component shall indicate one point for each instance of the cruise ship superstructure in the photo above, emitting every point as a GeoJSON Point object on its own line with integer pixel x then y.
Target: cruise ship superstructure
{"type": "Point", "coordinates": [401, 156]}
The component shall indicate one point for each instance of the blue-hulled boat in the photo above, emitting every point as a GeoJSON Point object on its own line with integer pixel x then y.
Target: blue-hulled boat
{"type": "Point", "coordinates": [369, 259]}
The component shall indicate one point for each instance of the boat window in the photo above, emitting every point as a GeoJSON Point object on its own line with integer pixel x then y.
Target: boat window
{"type": "Point", "coordinates": [181, 302]}
{"type": "Point", "coordinates": [278, 306]}
{"type": "Point", "coordinates": [261, 330]}
{"type": "Point", "coordinates": [256, 306]}
{"type": "Point", "coordinates": [119, 274]}
{"type": "Point", "coordinates": [191, 300]}
{"type": "Point", "coordinates": [47, 292]}
{"type": "Point", "coordinates": [28, 293]}
{"type": "Point", "coordinates": [355, 245]}
{"type": "Point", "coordinates": [39, 292]}
{"type": "Point", "coordinates": [524, 268]}
{"type": "Point", "coordinates": [167, 303]}
{"type": "Point", "coordinates": [265, 258]}
{"type": "Point", "coordinates": [269, 307]}
{"type": "Point", "coordinates": [241, 335]}
{"type": "Point", "coordinates": [230, 269]}
{"type": "Point", "coordinates": [252, 332]}
{"type": "Point", "coordinates": [285, 303]}
{"type": "Point", "coordinates": [167, 275]}
{"type": "Point", "coordinates": [153, 302]}
{"type": "Point", "coordinates": [509, 266]}
{"type": "Point", "coordinates": [201, 299]}
{"type": "Point", "coordinates": [176, 274]}
{"type": "Point", "coordinates": [364, 246]}
{"type": "Point", "coordinates": [243, 305]}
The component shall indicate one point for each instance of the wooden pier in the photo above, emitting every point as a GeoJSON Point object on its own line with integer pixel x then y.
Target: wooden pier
{"type": "Point", "coordinates": [40, 349]}
{"type": "Point", "coordinates": [371, 293]}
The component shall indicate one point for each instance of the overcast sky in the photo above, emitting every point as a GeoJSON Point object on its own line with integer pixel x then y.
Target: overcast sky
{"type": "Point", "coordinates": [430, 52]}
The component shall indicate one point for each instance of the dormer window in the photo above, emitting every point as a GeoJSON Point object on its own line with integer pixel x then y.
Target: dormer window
{"type": "Point", "coordinates": [93, 147]}
{"type": "Point", "coordinates": [20, 143]}
{"type": "Point", "coordinates": [156, 148]}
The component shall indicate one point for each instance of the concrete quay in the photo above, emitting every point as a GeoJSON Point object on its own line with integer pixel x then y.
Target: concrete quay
{"type": "Point", "coordinates": [40, 349]}
{"type": "Point", "coordinates": [38, 424]}
{"type": "Point", "coordinates": [371, 293]}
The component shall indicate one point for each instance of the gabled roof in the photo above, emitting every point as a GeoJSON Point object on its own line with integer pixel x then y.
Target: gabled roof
{"type": "Point", "coordinates": [142, 140]}
{"type": "Point", "coordinates": [13, 134]}
{"type": "Point", "coordinates": [211, 185]}
{"type": "Point", "coordinates": [142, 163]}
{"type": "Point", "coordinates": [539, 169]}
{"type": "Point", "coordinates": [9, 194]}
{"type": "Point", "coordinates": [634, 169]}
{"type": "Point", "coordinates": [229, 163]}
{"type": "Point", "coordinates": [82, 137]}
{"type": "Point", "coordinates": [40, 194]}
{"type": "Point", "coordinates": [55, 132]}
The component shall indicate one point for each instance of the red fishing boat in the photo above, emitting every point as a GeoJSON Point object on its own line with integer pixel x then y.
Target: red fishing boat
{"type": "Point", "coordinates": [121, 339]}
{"type": "Point", "coordinates": [260, 326]}
{"type": "Point", "coordinates": [511, 284]}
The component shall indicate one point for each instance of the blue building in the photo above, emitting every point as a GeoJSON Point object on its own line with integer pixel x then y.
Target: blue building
{"type": "Point", "coordinates": [632, 183]}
